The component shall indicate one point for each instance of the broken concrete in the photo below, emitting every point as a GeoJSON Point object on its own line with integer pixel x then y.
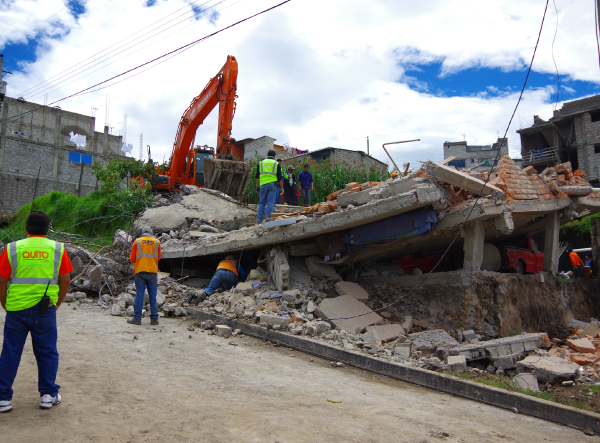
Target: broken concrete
{"type": "Point", "coordinates": [527, 381]}
{"type": "Point", "coordinates": [349, 288]}
{"type": "Point", "coordinates": [548, 369]}
{"type": "Point", "coordinates": [320, 270]}
{"type": "Point", "coordinates": [457, 364]}
{"type": "Point", "coordinates": [338, 309]}
{"type": "Point", "coordinates": [387, 332]}
{"type": "Point", "coordinates": [279, 269]}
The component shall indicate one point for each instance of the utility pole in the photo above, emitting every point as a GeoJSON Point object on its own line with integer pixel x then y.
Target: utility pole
{"type": "Point", "coordinates": [368, 136]}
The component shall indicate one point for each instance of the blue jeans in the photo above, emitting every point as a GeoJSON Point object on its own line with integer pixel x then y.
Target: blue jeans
{"type": "Point", "coordinates": [43, 338]}
{"type": "Point", "coordinates": [145, 280]}
{"type": "Point", "coordinates": [221, 277]}
{"type": "Point", "coordinates": [305, 195]}
{"type": "Point", "coordinates": [268, 194]}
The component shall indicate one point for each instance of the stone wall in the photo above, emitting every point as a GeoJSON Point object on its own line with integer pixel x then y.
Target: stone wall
{"type": "Point", "coordinates": [35, 139]}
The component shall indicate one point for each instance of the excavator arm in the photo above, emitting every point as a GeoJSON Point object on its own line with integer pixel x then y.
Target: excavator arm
{"type": "Point", "coordinates": [223, 174]}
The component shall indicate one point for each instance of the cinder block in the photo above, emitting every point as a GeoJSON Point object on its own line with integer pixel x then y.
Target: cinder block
{"type": "Point", "coordinates": [517, 348]}
{"type": "Point", "coordinates": [457, 363]}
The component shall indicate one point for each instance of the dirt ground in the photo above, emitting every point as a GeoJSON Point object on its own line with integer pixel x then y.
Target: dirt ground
{"type": "Point", "coordinates": [126, 383]}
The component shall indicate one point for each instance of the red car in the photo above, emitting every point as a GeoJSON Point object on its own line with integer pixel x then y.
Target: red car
{"type": "Point", "coordinates": [425, 261]}
{"type": "Point", "coordinates": [521, 255]}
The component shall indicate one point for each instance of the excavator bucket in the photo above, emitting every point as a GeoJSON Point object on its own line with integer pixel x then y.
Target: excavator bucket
{"type": "Point", "coordinates": [228, 176]}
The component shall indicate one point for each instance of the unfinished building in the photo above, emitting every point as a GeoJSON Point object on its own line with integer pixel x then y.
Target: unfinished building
{"type": "Point", "coordinates": [357, 159]}
{"type": "Point", "coordinates": [474, 157]}
{"type": "Point", "coordinates": [572, 134]}
{"type": "Point", "coordinates": [35, 141]}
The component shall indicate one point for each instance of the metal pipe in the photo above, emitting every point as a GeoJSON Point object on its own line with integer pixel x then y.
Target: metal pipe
{"type": "Point", "coordinates": [395, 143]}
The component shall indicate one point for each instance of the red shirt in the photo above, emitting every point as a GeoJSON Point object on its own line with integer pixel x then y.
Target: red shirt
{"type": "Point", "coordinates": [575, 259]}
{"type": "Point", "coordinates": [5, 268]}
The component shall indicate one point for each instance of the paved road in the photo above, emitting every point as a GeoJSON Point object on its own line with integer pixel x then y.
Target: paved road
{"type": "Point", "coordinates": [126, 383]}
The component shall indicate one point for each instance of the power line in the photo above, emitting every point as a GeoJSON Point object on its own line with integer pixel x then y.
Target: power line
{"type": "Point", "coordinates": [195, 42]}
{"type": "Point", "coordinates": [107, 57]}
{"type": "Point", "coordinates": [479, 194]}
{"type": "Point", "coordinates": [38, 26]}
{"type": "Point", "coordinates": [107, 48]}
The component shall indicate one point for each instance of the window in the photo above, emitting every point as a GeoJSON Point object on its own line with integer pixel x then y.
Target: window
{"type": "Point", "coordinates": [486, 161]}
{"type": "Point", "coordinates": [78, 157]}
{"type": "Point", "coordinates": [457, 163]}
{"type": "Point", "coordinates": [595, 116]}
{"type": "Point", "coordinates": [597, 148]}
{"type": "Point", "coordinates": [472, 160]}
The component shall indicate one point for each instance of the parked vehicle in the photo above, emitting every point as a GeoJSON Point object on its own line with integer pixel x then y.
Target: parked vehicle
{"type": "Point", "coordinates": [521, 255]}
{"type": "Point", "coordinates": [425, 261]}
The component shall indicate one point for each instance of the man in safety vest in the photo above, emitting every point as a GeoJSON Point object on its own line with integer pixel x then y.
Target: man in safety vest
{"type": "Point", "coordinates": [145, 253]}
{"type": "Point", "coordinates": [228, 272]}
{"type": "Point", "coordinates": [268, 173]}
{"type": "Point", "coordinates": [36, 270]}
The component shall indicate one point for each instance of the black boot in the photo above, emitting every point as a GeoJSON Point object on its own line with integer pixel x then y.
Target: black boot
{"type": "Point", "coordinates": [192, 298]}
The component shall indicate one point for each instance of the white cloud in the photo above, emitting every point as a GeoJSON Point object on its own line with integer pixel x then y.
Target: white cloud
{"type": "Point", "coordinates": [312, 73]}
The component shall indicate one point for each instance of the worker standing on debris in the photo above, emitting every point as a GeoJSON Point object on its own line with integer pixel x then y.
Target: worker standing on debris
{"type": "Point", "coordinates": [289, 187]}
{"type": "Point", "coordinates": [145, 253]}
{"type": "Point", "coordinates": [306, 185]}
{"type": "Point", "coordinates": [576, 262]}
{"type": "Point", "coordinates": [227, 275]}
{"type": "Point", "coordinates": [37, 270]}
{"type": "Point", "coordinates": [268, 173]}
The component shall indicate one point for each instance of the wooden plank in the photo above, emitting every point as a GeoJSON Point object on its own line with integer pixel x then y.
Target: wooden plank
{"type": "Point", "coordinates": [462, 180]}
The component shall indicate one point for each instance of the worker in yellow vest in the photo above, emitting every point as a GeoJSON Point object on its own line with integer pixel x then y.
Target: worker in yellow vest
{"type": "Point", "coordinates": [36, 270]}
{"type": "Point", "coordinates": [145, 253]}
{"type": "Point", "coordinates": [227, 275]}
{"type": "Point", "coordinates": [268, 173]}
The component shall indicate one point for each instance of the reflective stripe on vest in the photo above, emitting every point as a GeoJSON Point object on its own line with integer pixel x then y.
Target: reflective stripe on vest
{"type": "Point", "coordinates": [14, 280]}
{"type": "Point", "coordinates": [268, 171]}
{"type": "Point", "coordinates": [229, 265]}
{"type": "Point", "coordinates": [139, 250]}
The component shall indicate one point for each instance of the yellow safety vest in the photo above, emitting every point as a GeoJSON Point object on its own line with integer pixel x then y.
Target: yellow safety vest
{"type": "Point", "coordinates": [146, 259]}
{"type": "Point", "coordinates": [34, 262]}
{"type": "Point", "coordinates": [268, 171]}
{"type": "Point", "coordinates": [230, 265]}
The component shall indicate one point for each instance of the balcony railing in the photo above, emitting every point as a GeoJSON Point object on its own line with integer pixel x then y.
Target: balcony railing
{"type": "Point", "coordinates": [536, 157]}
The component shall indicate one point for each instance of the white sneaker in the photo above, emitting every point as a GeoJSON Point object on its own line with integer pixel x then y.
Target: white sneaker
{"type": "Point", "coordinates": [5, 406]}
{"type": "Point", "coordinates": [48, 401]}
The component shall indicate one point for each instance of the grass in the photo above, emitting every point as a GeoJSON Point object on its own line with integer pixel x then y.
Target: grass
{"type": "Point", "coordinates": [327, 177]}
{"type": "Point", "coordinates": [95, 216]}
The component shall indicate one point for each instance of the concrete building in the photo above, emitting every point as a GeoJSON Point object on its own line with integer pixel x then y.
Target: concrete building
{"type": "Point", "coordinates": [34, 139]}
{"type": "Point", "coordinates": [572, 134]}
{"type": "Point", "coordinates": [342, 156]}
{"type": "Point", "coordinates": [253, 147]}
{"type": "Point", "coordinates": [468, 156]}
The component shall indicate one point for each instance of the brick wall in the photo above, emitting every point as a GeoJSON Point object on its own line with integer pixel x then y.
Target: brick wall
{"type": "Point", "coordinates": [587, 134]}
{"type": "Point", "coordinates": [44, 146]}
{"type": "Point", "coordinates": [259, 146]}
{"type": "Point", "coordinates": [579, 106]}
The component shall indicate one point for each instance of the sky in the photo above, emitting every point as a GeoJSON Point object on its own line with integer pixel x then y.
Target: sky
{"type": "Point", "coordinates": [311, 73]}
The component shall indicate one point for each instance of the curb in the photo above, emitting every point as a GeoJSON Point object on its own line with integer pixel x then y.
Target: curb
{"type": "Point", "coordinates": [525, 404]}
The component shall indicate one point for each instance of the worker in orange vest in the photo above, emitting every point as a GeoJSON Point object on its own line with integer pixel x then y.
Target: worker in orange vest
{"type": "Point", "coordinates": [227, 274]}
{"type": "Point", "coordinates": [576, 262]}
{"type": "Point", "coordinates": [145, 253]}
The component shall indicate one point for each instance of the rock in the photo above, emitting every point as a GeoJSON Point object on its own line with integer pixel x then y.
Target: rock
{"type": "Point", "coordinates": [160, 298]}
{"type": "Point", "coordinates": [79, 295]}
{"type": "Point", "coordinates": [320, 270]}
{"type": "Point", "coordinates": [428, 341]}
{"type": "Point", "coordinates": [127, 298]}
{"type": "Point", "coordinates": [223, 331]}
{"type": "Point", "coordinates": [386, 315]}
{"type": "Point", "coordinates": [402, 351]}
{"type": "Point", "coordinates": [245, 288]}
{"type": "Point", "coordinates": [457, 363]}
{"type": "Point", "coordinates": [122, 305]}
{"type": "Point", "coordinates": [180, 312]}
{"type": "Point", "coordinates": [591, 330]}
{"type": "Point", "coordinates": [322, 327]}
{"type": "Point", "coordinates": [122, 239]}
{"type": "Point", "coordinates": [130, 311]}
{"type": "Point", "coordinates": [371, 337]}
{"type": "Point", "coordinates": [387, 332]}
{"type": "Point", "coordinates": [588, 431]}
{"type": "Point", "coordinates": [95, 274]}
{"type": "Point", "coordinates": [469, 335]}
{"type": "Point", "coordinates": [208, 324]}
{"type": "Point", "coordinates": [69, 298]}
{"type": "Point", "coordinates": [527, 381]}
{"type": "Point", "coordinates": [106, 298]}
{"type": "Point", "coordinates": [309, 329]}
{"type": "Point", "coordinates": [548, 369]}
{"type": "Point", "coordinates": [408, 323]}
{"type": "Point", "coordinates": [269, 320]}
{"type": "Point", "coordinates": [311, 307]}
{"type": "Point", "coordinates": [164, 237]}
{"type": "Point", "coordinates": [115, 310]}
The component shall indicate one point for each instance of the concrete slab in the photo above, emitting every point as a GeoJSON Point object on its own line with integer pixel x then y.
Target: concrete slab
{"type": "Point", "coordinates": [320, 270]}
{"type": "Point", "coordinates": [462, 180]}
{"type": "Point", "coordinates": [283, 222]}
{"type": "Point", "coordinates": [199, 283]}
{"type": "Point", "coordinates": [347, 306]}
{"type": "Point", "coordinates": [527, 381]}
{"type": "Point", "coordinates": [387, 332]}
{"type": "Point", "coordinates": [301, 277]}
{"type": "Point", "coordinates": [548, 369]}
{"type": "Point", "coordinates": [349, 288]}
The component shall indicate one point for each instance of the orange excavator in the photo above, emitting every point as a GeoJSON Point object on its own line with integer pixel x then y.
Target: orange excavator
{"type": "Point", "coordinates": [197, 165]}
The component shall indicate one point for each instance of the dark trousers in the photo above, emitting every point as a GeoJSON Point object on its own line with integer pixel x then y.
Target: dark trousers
{"type": "Point", "coordinates": [42, 327]}
{"type": "Point", "coordinates": [291, 195]}
{"type": "Point", "coordinates": [577, 271]}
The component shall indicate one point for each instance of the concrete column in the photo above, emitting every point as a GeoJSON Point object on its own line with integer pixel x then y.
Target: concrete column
{"type": "Point", "coordinates": [551, 242]}
{"type": "Point", "coordinates": [473, 246]}
{"type": "Point", "coordinates": [595, 234]}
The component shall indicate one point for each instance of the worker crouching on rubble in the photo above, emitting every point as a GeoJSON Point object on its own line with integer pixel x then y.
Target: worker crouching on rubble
{"type": "Point", "coordinates": [576, 263]}
{"type": "Point", "coordinates": [268, 174]}
{"type": "Point", "coordinates": [145, 253]}
{"type": "Point", "coordinates": [227, 275]}
{"type": "Point", "coordinates": [37, 272]}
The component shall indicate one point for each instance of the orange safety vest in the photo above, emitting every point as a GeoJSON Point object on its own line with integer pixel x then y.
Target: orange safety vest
{"type": "Point", "coordinates": [230, 265]}
{"type": "Point", "coordinates": [146, 259]}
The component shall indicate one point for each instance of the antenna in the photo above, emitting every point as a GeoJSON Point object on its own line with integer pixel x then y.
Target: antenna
{"type": "Point", "coordinates": [141, 147]}
{"type": "Point", "coordinates": [125, 128]}
{"type": "Point", "coordinates": [464, 137]}
{"type": "Point", "coordinates": [106, 114]}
